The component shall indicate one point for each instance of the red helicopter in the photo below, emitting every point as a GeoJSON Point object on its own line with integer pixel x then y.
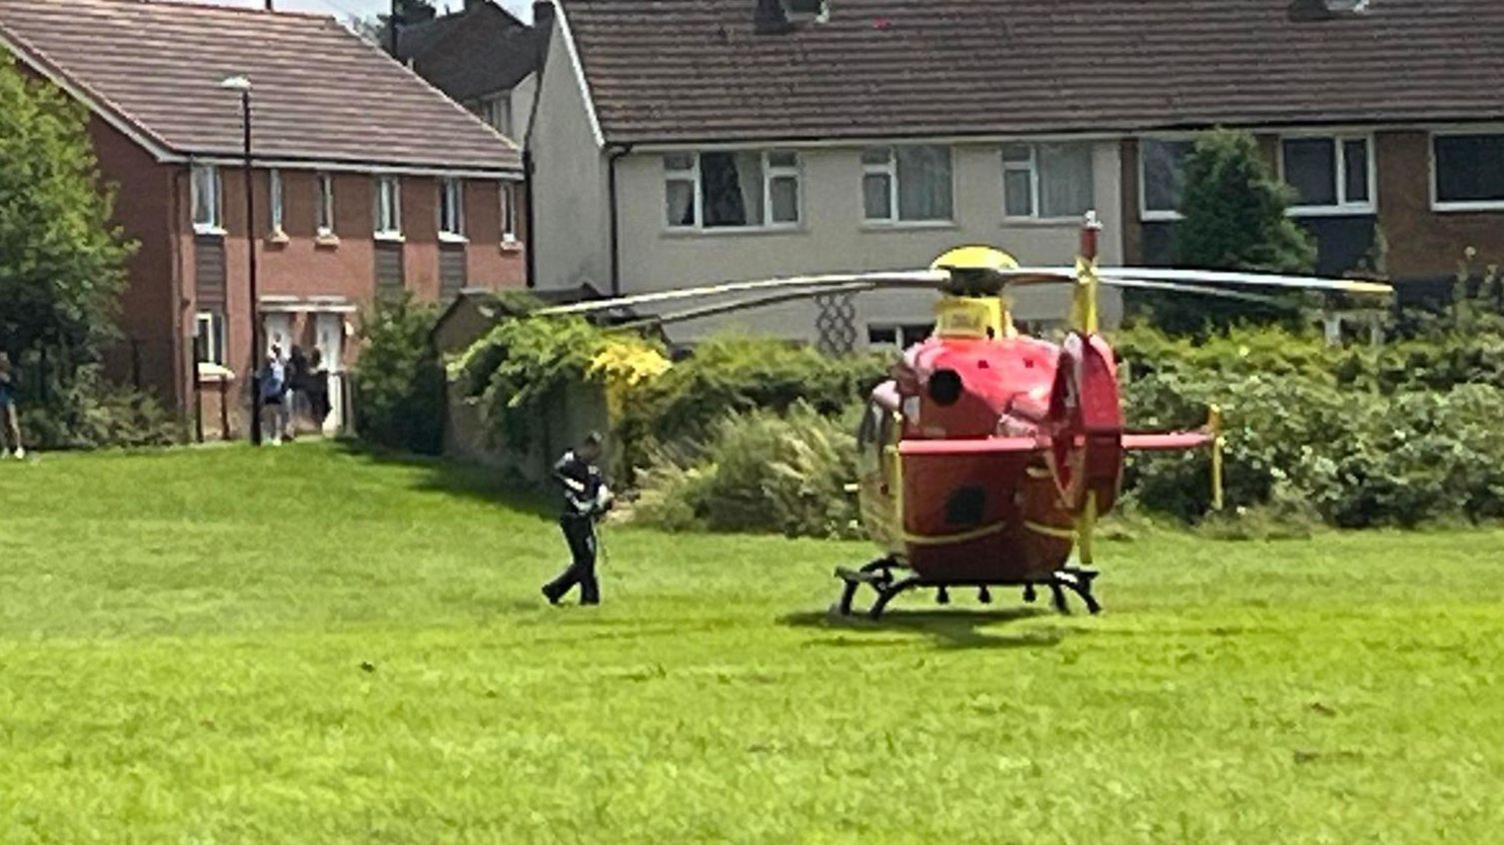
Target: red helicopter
{"type": "Point", "coordinates": [989, 456]}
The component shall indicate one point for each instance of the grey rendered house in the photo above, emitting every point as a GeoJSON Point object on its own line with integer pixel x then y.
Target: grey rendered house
{"type": "Point", "coordinates": [685, 142]}
{"type": "Point", "coordinates": [682, 142]}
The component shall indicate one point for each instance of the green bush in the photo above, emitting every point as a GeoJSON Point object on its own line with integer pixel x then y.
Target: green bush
{"type": "Point", "coordinates": [740, 374]}
{"type": "Point", "coordinates": [1362, 444]}
{"type": "Point", "coordinates": [399, 381]}
{"type": "Point", "coordinates": [89, 412]}
{"type": "Point", "coordinates": [760, 471]}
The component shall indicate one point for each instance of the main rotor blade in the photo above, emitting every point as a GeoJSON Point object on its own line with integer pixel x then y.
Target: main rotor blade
{"type": "Point", "coordinates": [739, 305]}
{"type": "Point", "coordinates": [899, 279]}
{"type": "Point", "coordinates": [1219, 293]}
{"type": "Point", "coordinates": [1219, 277]}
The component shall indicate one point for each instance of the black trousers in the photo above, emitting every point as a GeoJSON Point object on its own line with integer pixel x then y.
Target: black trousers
{"type": "Point", "coordinates": [580, 534]}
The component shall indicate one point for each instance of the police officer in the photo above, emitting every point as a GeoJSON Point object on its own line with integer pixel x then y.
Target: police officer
{"type": "Point", "coordinates": [586, 499]}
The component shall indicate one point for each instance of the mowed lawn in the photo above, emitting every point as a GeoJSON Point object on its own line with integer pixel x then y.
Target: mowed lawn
{"type": "Point", "coordinates": [310, 644]}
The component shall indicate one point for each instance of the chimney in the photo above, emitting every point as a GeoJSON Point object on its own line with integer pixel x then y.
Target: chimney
{"type": "Point", "coordinates": [543, 16]}
{"type": "Point", "coordinates": [1325, 10]}
{"type": "Point", "coordinates": [770, 18]}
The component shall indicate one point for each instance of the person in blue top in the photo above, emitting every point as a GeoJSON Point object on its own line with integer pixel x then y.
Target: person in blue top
{"type": "Point", "coordinates": [274, 394]}
{"type": "Point", "coordinates": [9, 419]}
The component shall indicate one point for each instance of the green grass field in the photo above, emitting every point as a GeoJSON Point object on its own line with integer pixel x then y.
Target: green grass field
{"type": "Point", "coordinates": [315, 645]}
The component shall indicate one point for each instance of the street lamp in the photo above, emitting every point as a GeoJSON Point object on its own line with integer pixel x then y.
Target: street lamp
{"type": "Point", "coordinates": [243, 85]}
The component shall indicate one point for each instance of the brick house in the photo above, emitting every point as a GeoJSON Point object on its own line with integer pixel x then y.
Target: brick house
{"type": "Point", "coordinates": [365, 181]}
{"type": "Point", "coordinates": [687, 141]}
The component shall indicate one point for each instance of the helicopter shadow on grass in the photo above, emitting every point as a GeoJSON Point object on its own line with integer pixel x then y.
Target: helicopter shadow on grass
{"type": "Point", "coordinates": [950, 629]}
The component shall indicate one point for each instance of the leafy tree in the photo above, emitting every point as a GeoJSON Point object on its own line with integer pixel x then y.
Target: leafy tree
{"type": "Point", "coordinates": [1235, 218]}
{"type": "Point", "coordinates": [61, 258]}
{"type": "Point", "coordinates": [399, 380]}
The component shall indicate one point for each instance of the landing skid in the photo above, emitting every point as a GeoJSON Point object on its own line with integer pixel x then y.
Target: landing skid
{"type": "Point", "coordinates": [886, 577]}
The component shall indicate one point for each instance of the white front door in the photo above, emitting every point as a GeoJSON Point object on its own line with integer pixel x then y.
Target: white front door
{"type": "Point", "coordinates": [277, 329]}
{"type": "Point", "coordinates": [329, 330]}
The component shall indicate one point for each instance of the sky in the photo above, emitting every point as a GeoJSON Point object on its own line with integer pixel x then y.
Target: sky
{"type": "Point", "coordinates": [363, 8]}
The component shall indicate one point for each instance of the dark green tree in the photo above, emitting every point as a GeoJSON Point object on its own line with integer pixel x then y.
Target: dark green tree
{"type": "Point", "coordinates": [1234, 211]}
{"type": "Point", "coordinates": [62, 259]}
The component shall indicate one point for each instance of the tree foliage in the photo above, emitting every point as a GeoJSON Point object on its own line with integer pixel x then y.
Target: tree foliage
{"type": "Point", "coordinates": [1234, 211]}
{"type": "Point", "coordinates": [399, 381]}
{"type": "Point", "coordinates": [61, 258]}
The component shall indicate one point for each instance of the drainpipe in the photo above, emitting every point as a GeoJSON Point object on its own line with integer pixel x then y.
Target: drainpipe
{"type": "Point", "coordinates": [613, 155]}
{"type": "Point", "coordinates": [530, 243]}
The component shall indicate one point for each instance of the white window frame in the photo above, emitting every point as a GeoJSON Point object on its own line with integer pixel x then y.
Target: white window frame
{"type": "Point", "coordinates": [214, 226]}
{"type": "Point", "coordinates": [215, 343]}
{"type": "Point", "coordinates": [1343, 207]}
{"type": "Point", "coordinates": [452, 193]}
{"type": "Point", "coordinates": [890, 169]}
{"type": "Point", "coordinates": [769, 173]}
{"type": "Point", "coordinates": [276, 203]}
{"type": "Point", "coordinates": [325, 223]}
{"type": "Point", "coordinates": [392, 232]}
{"type": "Point", "coordinates": [509, 214]}
{"type": "Point", "coordinates": [901, 341]}
{"type": "Point", "coordinates": [496, 112]}
{"type": "Point", "coordinates": [1032, 168]}
{"type": "Point", "coordinates": [1145, 214]}
{"type": "Point", "coordinates": [1452, 206]}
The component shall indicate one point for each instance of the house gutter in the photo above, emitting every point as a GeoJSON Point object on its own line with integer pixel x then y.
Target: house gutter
{"type": "Point", "coordinates": [614, 154]}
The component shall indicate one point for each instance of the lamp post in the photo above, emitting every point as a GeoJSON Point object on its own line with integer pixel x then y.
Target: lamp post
{"type": "Point", "coordinates": [243, 85]}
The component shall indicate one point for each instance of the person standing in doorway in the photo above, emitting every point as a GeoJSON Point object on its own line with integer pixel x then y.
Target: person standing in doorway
{"type": "Point", "coordinates": [586, 499]}
{"type": "Point", "coordinates": [297, 386]}
{"type": "Point", "coordinates": [274, 395]}
{"type": "Point", "coordinates": [318, 389]}
{"type": "Point", "coordinates": [10, 421]}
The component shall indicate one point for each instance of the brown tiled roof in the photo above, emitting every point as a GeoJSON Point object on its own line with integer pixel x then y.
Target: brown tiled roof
{"type": "Point", "coordinates": [698, 70]}
{"type": "Point", "coordinates": [473, 53]}
{"type": "Point", "coordinates": [320, 93]}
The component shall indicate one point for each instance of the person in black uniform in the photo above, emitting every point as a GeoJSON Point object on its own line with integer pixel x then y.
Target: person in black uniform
{"type": "Point", "coordinates": [586, 499]}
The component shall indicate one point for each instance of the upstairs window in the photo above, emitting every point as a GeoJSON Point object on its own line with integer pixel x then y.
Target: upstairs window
{"type": "Point", "coordinates": [907, 184]}
{"type": "Point", "coordinates": [1048, 181]}
{"type": "Point", "coordinates": [274, 200]}
{"type": "Point", "coordinates": [740, 189]}
{"type": "Point", "coordinates": [1163, 176]}
{"type": "Point", "coordinates": [451, 209]}
{"type": "Point", "coordinates": [388, 208]}
{"type": "Point", "coordinates": [509, 212]}
{"type": "Point", "coordinates": [208, 200]}
{"type": "Point", "coordinates": [1330, 174]}
{"type": "Point", "coordinates": [1469, 171]}
{"type": "Point", "coordinates": [326, 206]}
{"type": "Point", "coordinates": [497, 113]}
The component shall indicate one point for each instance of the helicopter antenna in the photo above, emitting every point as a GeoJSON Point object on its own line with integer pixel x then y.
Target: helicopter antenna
{"type": "Point", "coordinates": [1085, 314]}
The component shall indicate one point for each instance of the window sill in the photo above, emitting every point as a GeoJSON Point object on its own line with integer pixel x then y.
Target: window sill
{"type": "Point", "coordinates": [909, 225]}
{"type": "Point", "coordinates": [1333, 211]}
{"type": "Point", "coordinates": [1160, 217]}
{"type": "Point", "coordinates": [213, 373]}
{"type": "Point", "coordinates": [278, 238]}
{"type": "Point", "coordinates": [326, 240]}
{"type": "Point", "coordinates": [389, 237]}
{"type": "Point", "coordinates": [1043, 222]}
{"type": "Point", "coordinates": [735, 231]}
{"type": "Point", "coordinates": [511, 245]}
{"type": "Point", "coordinates": [209, 231]}
{"type": "Point", "coordinates": [1474, 207]}
{"type": "Point", "coordinates": [452, 238]}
